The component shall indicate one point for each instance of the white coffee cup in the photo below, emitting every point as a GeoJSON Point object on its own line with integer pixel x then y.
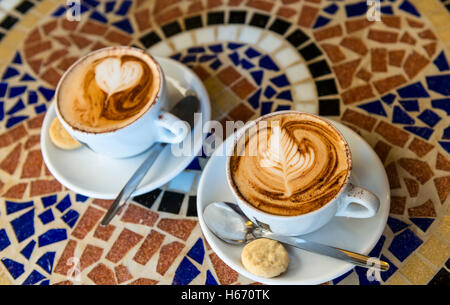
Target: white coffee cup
{"type": "Point", "coordinates": [154, 125]}
{"type": "Point", "coordinates": [351, 201]}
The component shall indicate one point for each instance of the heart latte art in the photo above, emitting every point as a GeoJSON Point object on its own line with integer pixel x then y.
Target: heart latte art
{"type": "Point", "coordinates": [290, 164]}
{"type": "Point", "coordinates": [108, 90]}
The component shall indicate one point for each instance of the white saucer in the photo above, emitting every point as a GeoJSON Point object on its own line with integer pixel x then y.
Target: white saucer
{"type": "Point", "coordinates": [359, 235]}
{"type": "Point", "coordinates": [97, 176]}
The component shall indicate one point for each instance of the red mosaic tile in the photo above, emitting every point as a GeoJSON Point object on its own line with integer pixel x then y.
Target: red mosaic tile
{"type": "Point", "coordinates": [355, 25]}
{"type": "Point", "coordinates": [357, 94]}
{"type": "Point", "coordinates": [391, 21]}
{"type": "Point", "coordinates": [427, 34]}
{"type": "Point", "coordinates": [354, 44]}
{"type": "Point", "coordinates": [225, 274]}
{"type": "Point", "coordinates": [386, 84]}
{"type": "Point", "coordinates": [426, 209]}
{"type": "Point", "coordinates": [151, 244]}
{"type": "Point", "coordinates": [442, 163]}
{"type": "Point", "coordinates": [359, 119]}
{"type": "Point", "coordinates": [442, 185]}
{"type": "Point", "coordinates": [398, 204]}
{"type": "Point", "coordinates": [364, 75]}
{"type": "Point", "coordinates": [420, 147]}
{"type": "Point", "coordinates": [392, 134]}
{"type": "Point", "coordinates": [392, 174]}
{"type": "Point", "coordinates": [382, 149]}
{"type": "Point", "coordinates": [90, 255]}
{"type": "Point", "coordinates": [167, 255]}
{"type": "Point", "coordinates": [412, 186]}
{"type": "Point", "coordinates": [286, 12]}
{"type": "Point", "coordinates": [345, 72]}
{"type": "Point", "coordinates": [228, 75]}
{"type": "Point", "coordinates": [378, 59]}
{"type": "Point", "coordinates": [142, 18]}
{"type": "Point", "coordinates": [414, 63]}
{"type": "Point", "coordinates": [243, 88]}
{"type": "Point", "coordinates": [124, 243]}
{"type": "Point", "coordinates": [382, 36]}
{"type": "Point", "coordinates": [16, 191]}
{"type": "Point", "coordinates": [32, 141]}
{"type": "Point", "coordinates": [144, 281]}
{"type": "Point", "coordinates": [10, 161]}
{"type": "Point", "coordinates": [139, 215]}
{"type": "Point", "coordinates": [87, 222]}
{"type": "Point", "coordinates": [308, 15]}
{"type": "Point", "coordinates": [168, 16]}
{"type": "Point", "coordinates": [396, 57]}
{"type": "Point", "coordinates": [408, 39]}
{"type": "Point", "coordinates": [94, 28]}
{"type": "Point", "coordinates": [102, 275]}
{"type": "Point", "coordinates": [430, 48]}
{"type": "Point", "coordinates": [104, 203]}
{"type": "Point", "coordinates": [334, 52]}
{"type": "Point", "coordinates": [241, 113]}
{"type": "Point", "coordinates": [260, 4]}
{"type": "Point", "coordinates": [51, 76]}
{"type": "Point", "coordinates": [63, 266]}
{"type": "Point", "coordinates": [104, 233]}
{"type": "Point", "coordinates": [118, 37]}
{"type": "Point", "coordinates": [32, 167]}
{"type": "Point", "coordinates": [122, 274]}
{"type": "Point", "coordinates": [12, 135]}
{"type": "Point", "coordinates": [417, 168]}
{"type": "Point", "coordinates": [328, 32]}
{"type": "Point", "coordinates": [180, 228]}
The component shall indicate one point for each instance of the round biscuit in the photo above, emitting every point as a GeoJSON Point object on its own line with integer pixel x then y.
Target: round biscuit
{"type": "Point", "coordinates": [60, 137]}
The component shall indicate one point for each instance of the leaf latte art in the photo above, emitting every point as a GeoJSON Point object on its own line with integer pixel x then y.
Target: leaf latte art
{"type": "Point", "coordinates": [292, 164]}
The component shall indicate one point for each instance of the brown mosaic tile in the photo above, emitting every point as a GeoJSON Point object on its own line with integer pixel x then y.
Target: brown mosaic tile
{"type": "Point", "coordinates": [36, 65]}
{"type": "Point", "coordinates": [161, 5]}
{"type": "Point", "coordinates": [419, 169]}
{"type": "Point", "coordinates": [102, 275]}
{"type": "Point", "coordinates": [167, 255]}
{"type": "Point", "coordinates": [382, 149]}
{"type": "Point", "coordinates": [289, 1]}
{"type": "Point", "coordinates": [442, 185]}
{"type": "Point", "coordinates": [94, 28]}
{"type": "Point", "coordinates": [408, 39]}
{"type": "Point", "coordinates": [354, 44]}
{"type": "Point", "coordinates": [33, 37]}
{"type": "Point", "coordinates": [55, 55]}
{"type": "Point", "coordinates": [442, 163]}
{"type": "Point", "coordinates": [63, 266]}
{"type": "Point", "coordinates": [104, 203]}
{"type": "Point", "coordinates": [359, 119]}
{"type": "Point", "coordinates": [90, 255]}
{"type": "Point", "coordinates": [37, 48]}
{"type": "Point", "coordinates": [213, 3]}
{"type": "Point", "coordinates": [357, 94]}
{"type": "Point", "coordinates": [427, 34]}
{"type": "Point", "coordinates": [168, 15]}
{"type": "Point", "coordinates": [66, 62]}
{"type": "Point", "coordinates": [180, 228]}
{"type": "Point", "coordinates": [398, 204]}
{"type": "Point", "coordinates": [34, 123]}
{"type": "Point", "coordinates": [32, 141]}
{"type": "Point", "coordinates": [225, 274]}
{"type": "Point", "coordinates": [124, 243]}
{"type": "Point", "coordinates": [392, 134]}
{"type": "Point", "coordinates": [364, 75]}
{"type": "Point", "coordinates": [396, 57]}
{"type": "Point", "coordinates": [16, 191]}
{"type": "Point", "coordinates": [392, 174]}
{"type": "Point", "coordinates": [201, 72]}
{"type": "Point", "coordinates": [286, 12]}
{"type": "Point", "coordinates": [63, 41]}
{"type": "Point", "coordinates": [382, 36]}
{"type": "Point", "coordinates": [13, 135]}
{"type": "Point", "coordinates": [87, 222]}
{"type": "Point", "coordinates": [308, 15]}
{"type": "Point", "coordinates": [334, 52]}
{"type": "Point", "coordinates": [412, 186]}
{"type": "Point", "coordinates": [144, 281]}
{"type": "Point", "coordinates": [122, 274]}
{"type": "Point", "coordinates": [32, 167]}
{"type": "Point", "coordinates": [51, 76]}
{"type": "Point", "coordinates": [386, 84]}
{"type": "Point", "coordinates": [241, 113]}
{"type": "Point", "coordinates": [11, 161]}
{"type": "Point", "coordinates": [68, 25]}
{"type": "Point", "coordinates": [355, 25]}
{"type": "Point", "coordinates": [414, 23]}
{"type": "Point", "coordinates": [345, 72]}
{"type": "Point", "coordinates": [142, 19]}
{"type": "Point", "coordinates": [391, 21]}
{"type": "Point", "coordinates": [378, 59]}
{"type": "Point", "coordinates": [426, 209]}
{"type": "Point", "coordinates": [197, 6]}
{"type": "Point", "coordinates": [260, 4]}
{"type": "Point", "coordinates": [104, 233]}
{"type": "Point", "coordinates": [414, 63]}
{"type": "Point", "coordinates": [98, 45]}
{"type": "Point", "coordinates": [80, 41]}
{"type": "Point", "coordinates": [420, 147]}
{"type": "Point", "coordinates": [328, 32]}
{"type": "Point", "coordinates": [43, 187]}
{"type": "Point", "coordinates": [139, 215]}
{"type": "Point", "coordinates": [63, 283]}
{"type": "Point", "coordinates": [118, 37]}
{"type": "Point", "coordinates": [243, 88]}
{"type": "Point", "coordinates": [149, 247]}
{"type": "Point", "coordinates": [430, 48]}
{"type": "Point", "coordinates": [228, 75]}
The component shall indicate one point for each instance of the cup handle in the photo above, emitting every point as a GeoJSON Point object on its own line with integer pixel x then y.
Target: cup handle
{"type": "Point", "coordinates": [171, 128]}
{"type": "Point", "coordinates": [357, 202]}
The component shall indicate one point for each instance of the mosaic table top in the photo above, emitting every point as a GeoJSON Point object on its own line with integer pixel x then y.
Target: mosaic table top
{"type": "Point", "coordinates": [389, 80]}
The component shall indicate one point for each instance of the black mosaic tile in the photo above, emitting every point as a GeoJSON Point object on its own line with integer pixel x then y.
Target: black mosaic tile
{"type": "Point", "coordinates": [216, 18]}
{"type": "Point", "coordinates": [148, 199]}
{"type": "Point", "coordinates": [192, 206]}
{"type": "Point", "coordinates": [259, 20]}
{"type": "Point", "coordinates": [310, 51]}
{"type": "Point", "coordinates": [326, 87]}
{"type": "Point", "coordinates": [171, 29]}
{"type": "Point", "coordinates": [237, 17]}
{"type": "Point", "coordinates": [2, 35]}
{"type": "Point", "coordinates": [280, 26]}
{"type": "Point", "coordinates": [8, 22]}
{"type": "Point", "coordinates": [191, 23]}
{"type": "Point", "coordinates": [150, 39]}
{"type": "Point", "coordinates": [442, 278]}
{"type": "Point", "coordinates": [447, 264]}
{"type": "Point", "coordinates": [171, 202]}
{"type": "Point", "coordinates": [329, 107]}
{"type": "Point", "coordinates": [24, 6]}
{"type": "Point", "coordinates": [319, 68]}
{"type": "Point", "coordinates": [297, 37]}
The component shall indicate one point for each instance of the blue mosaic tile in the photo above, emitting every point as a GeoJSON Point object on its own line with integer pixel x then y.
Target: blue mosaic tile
{"type": "Point", "coordinates": [234, 46]}
{"type": "Point", "coordinates": [48, 200]}
{"type": "Point", "coordinates": [52, 236]}
{"type": "Point", "coordinates": [34, 278]}
{"type": "Point", "coordinates": [267, 63]}
{"type": "Point", "coordinates": [3, 87]}
{"type": "Point", "coordinates": [123, 9]}
{"type": "Point", "coordinates": [92, 3]}
{"type": "Point", "coordinates": [185, 273]}
{"type": "Point", "coordinates": [17, 59]}
{"type": "Point", "coordinates": [422, 223]}
{"type": "Point", "coordinates": [254, 99]}
{"type": "Point", "coordinates": [194, 165]}
{"type": "Point", "coordinates": [24, 225]}
{"type": "Point", "coordinates": [182, 182]}
{"type": "Point", "coordinates": [98, 17]}
{"type": "Point", "coordinates": [423, 132]}
{"type": "Point", "coordinates": [47, 93]}
{"type": "Point", "coordinates": [2, 111]}
{"type": "Point", "coordinates": [218, 48]}
{"type": "Point", "coordinates": [439, 83]}
{"type": "Point", "coordinates": [12, 121]}
{"type": "Point", "coordinates": [356, 9]}
{"type": "Point", "coordinates": [64, 204]}
{"type": "Point", "coordinates": [340, 278]}
{"type": "Point", "coordinates": [363, 276]}
{"type": "Point", "coordinates": [252, 53]}
{"type": "Point", "coordinates": [445, 145]}
{"type": "Point", "coordinates": [40, 108]}
{"type": "Point", "coordinates": [10, 72]}
{"type": "Point", "coordinates": [385, 275]}
{"type": "Point", "coordinates": [283, 107]}
{"type": "Point", "coordinates": [257, 76]}
{"type": "Point", "coordinates": [28, 250]}
{"type": "Point", "coordinates": [285, 95]}
{"type": "Point", "coordinates": [331, 9]}
{"type": "Point", "coordinates": [375, 252]}
{"type": "Point", "coordinates": [413, 91]}
{"type": "Point", "coordinates": [247, 65]}
{"type": "Point", "coordinates": [206, 57]}
{"type": "Point", "coordinates": [387, 10]}
{"type": "Point", "coordinates": [374, 107]}
{"type": "Point", "coordinates": [266, 107]}
{"type": "Point", "coordinates": [234, 58]}
{"type": "Point", "coordinates": [409, 8]}
{"type": "Point", "coordinates": [109, 6]}
{"type": "Point", "coordinates": [399, 116]}
{"type": "Point", "coordinates": [215, 64]}
{"type": "Point", "coordinates": [210, 280]}
{"type": "Point", "coordinates": [396, 225]}
{"type": "Point", "coordinates": [176, 56]}
{"type": "Point", "coordinates": [410, 105]}
{"type": "Point", "coordinates": [14, 268]}
{"type": "Point", "coordinates": [446, 133]}
{"type": "Point", "coordinates": [188, 59]}
{"type": "Point", "coordinates": [429, 117]}
{"type": "Point", "coordinates": [71, 218]}
{"type": "Point", "coordinates": [32, 97]}
{"type": "Point", "coordinates": [45, 282]}
{"type": "Point", "coordinates": [124, 25]}
{"type": "Point", "coordinates": [46, 261]}
{"type": "Point", "coordinates": [4, 239]}
{"type": "Point", "coordinates": [443, 104]}
{"type": "Point", "coordinates": [59, 11]}
{"type": "Point", "coordinates": [197, 252]}
{"type": "Point", "coordinates": [441, 62]}
{"type": "Point", "coordinates": [404, 244]}
{"type": "Point", "coordinates": [321, 21]}
{"type": "Point", "coordinates": [269, 92]}
{"type": "Point", "coordinates": [27, 78]}
{"type": "Point", "coordinates": [81, 198]}
{"type": "Point", "coordinates": [12, 207]}
{"type": "Point", "coordinates": [17, 107]}
{"type": "Point", "coordinates": [280, 81]}
{"type": "Point", "coordinates": [16, 91]}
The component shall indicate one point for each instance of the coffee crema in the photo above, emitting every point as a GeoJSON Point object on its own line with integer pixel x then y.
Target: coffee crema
{"type": "Point", "coordinates": [290, 164]}
{"type": "Point", "coordinates": [108, 90]}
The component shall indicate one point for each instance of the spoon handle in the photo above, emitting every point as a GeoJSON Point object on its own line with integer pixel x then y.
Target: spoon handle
{"type": "Point", "coordinates": [348, 256]}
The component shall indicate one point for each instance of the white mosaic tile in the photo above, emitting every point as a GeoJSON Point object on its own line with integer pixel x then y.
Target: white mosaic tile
{"type": "Point", "coordinates": [161, 49]}
{"type": "Point", "coordinates": [182, 41]}
{"type": "Point", "coordinates": [286, 57]}
{"type": "Point", "coordinates": [270, 43]}
{"type": "Point", "coordinates": [310, 107]}
{"type": "Point", "coordinates": [297, 73]}
{"type": "Point", "coordinates": [8, 4]}
{"type": "Point", "coordinates": [227, 33]}
{"type": "Point", "coordinates": [305, 92]}
{"type": "Point", "coordinates": [205, 36]}
{"type": "Point", "coordinates": [250, 34]}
